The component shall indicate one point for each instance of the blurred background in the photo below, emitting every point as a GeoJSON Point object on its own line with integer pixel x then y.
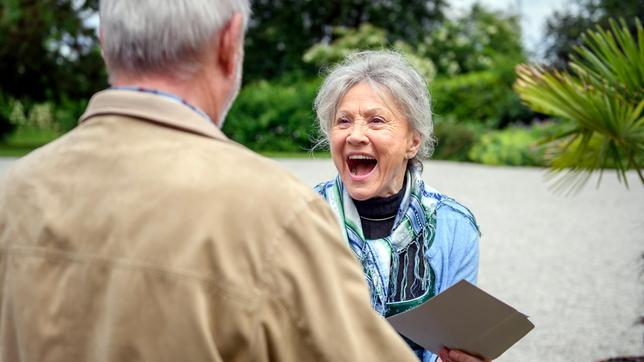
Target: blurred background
{"type": "Point", "coordinates": [50, 65]}
{"type": "Point", "coordinates": [527, 84]}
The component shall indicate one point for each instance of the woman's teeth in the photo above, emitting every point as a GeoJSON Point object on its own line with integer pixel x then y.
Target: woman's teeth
{"type": "Point", "coordinates": [360, 165]}
{"type": "Point", "coordinates": [360, 157]}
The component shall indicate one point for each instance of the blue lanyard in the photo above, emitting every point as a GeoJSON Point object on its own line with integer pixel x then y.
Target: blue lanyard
{"type": "Point", "coordinates": [170, 96]}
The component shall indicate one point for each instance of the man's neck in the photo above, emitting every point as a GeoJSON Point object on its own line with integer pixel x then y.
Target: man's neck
{"type": "Point", "coordinates": [194, 91]}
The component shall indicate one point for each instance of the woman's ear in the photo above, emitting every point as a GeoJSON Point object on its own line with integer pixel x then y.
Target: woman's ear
{"type": "Point", "coordinates": [413, 145]}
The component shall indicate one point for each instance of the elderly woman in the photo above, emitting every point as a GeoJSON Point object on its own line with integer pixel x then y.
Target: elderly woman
{"type": "Point", "coordinates": [413, 241]}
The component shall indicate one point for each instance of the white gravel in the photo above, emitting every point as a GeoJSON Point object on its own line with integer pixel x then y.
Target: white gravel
{"type": "Point", "coordinates": [572, 263]}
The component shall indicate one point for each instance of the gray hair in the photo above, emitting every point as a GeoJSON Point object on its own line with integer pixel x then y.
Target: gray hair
{"type": "Point", "coordinates": [381, 69]}
{"type": "Point", "coordinates": [153, 36]}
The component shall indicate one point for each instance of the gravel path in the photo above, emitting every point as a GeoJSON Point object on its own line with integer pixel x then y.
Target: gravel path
{"type": "Point", "coordinates": [572, 263]}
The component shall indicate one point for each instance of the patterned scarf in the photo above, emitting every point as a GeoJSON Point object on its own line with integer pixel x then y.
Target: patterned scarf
{"type": "Point", "coordinates": [415, 224]}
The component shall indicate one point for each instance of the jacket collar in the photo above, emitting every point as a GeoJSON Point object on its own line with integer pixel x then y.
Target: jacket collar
{"type": "Point", "coordinates": [149, 107]}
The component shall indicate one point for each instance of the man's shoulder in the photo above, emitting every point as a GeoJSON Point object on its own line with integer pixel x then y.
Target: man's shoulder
{"type": "Point", "coordinates": [239, 169]}
{"type": "Point", "coordinates": [25, 166]}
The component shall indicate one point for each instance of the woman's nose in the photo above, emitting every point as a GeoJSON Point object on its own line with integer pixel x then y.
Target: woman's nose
{"type": "Point", "coordinates": [357, 135]}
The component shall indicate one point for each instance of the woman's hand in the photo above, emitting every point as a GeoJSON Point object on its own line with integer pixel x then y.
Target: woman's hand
{"type": "Point", "coordinates": [454, 355]}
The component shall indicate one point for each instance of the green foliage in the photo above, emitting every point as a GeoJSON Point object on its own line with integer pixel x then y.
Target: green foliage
{"type": "Point", "coordinates": [47, 50]}
{"type": "Point", "coordinates": [5, 111]}
{"type": "Point", "coordinates": [366, 37]}
{"type": "Point", "coordinates": [274, 116]}
{"type": "Point", "coordinates": [602, 98]}
{"type": "Point", "coordinates": [564, 28]}
{"type": "Point", "coordinates": [484, 96]}
{"type": "Point", "coordinates": [479, 40]}
{"type": "Point", "coordinates": [48, 55]}
{"type": "Point", "coordinates": [50, 65]}
{"type": "Point", "coordinates": [347, 41]}
{"type": "Point", "coordinates": [281, 31]}
{"type": "Point", "coordinates": [514, 146]}
{"type": "Point", "coordinates": [487, 46]}
{"type": "Point", "coordinates": [454, 139]}
{"type": "Point", "coordinates": [34, 124]}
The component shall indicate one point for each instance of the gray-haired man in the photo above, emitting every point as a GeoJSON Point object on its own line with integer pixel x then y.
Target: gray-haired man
{"type": "Point", "coordinates": [145, 234]}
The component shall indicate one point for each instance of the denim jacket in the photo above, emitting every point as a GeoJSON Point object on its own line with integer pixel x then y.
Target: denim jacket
{"type": "Point", "coordinates": [454, 253]}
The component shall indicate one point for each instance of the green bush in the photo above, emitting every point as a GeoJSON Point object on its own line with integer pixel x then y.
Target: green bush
{"type": "Point", "coordinates": [475, 41]}
{"type": "Point", "coordinates": [67, 112]}
{"type": "Point", "coordinates": [5, 122]}
{"type": "Point", "coordinates": [485, 96]}
{"type": "Point", "coordinates": [34, 124]}
{"type": "Point", "coordinates": [274, 116]}
{"type": "Point", "coordinates": [514, 146]}
{"type": "Point", "coordinates": [365, 37]}
{"type": "Point", "coordinates": [454, 140]}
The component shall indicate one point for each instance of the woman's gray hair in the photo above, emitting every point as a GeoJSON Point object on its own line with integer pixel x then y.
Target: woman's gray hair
{"type": "Point", "coordinates": [383, 69]}
{"type": "Point", "coordinates": [153, 36]}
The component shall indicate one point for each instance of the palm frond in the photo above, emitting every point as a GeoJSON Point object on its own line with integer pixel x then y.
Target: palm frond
{"type": "Point", "coordinates": [603, 100]}
{"type": "Point", "coordinates": [612, 59]}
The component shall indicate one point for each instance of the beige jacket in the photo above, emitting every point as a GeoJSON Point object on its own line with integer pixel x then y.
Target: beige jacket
{"type": "Point", "coordinates": [145, 234]}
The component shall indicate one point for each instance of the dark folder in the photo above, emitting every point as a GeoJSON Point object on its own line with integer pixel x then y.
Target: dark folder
{"type": "Point", "coordinates": [463, 317]}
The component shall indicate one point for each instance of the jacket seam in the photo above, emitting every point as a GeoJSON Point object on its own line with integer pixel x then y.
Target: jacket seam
{"type": "Point", "coordinates": [36, 252]}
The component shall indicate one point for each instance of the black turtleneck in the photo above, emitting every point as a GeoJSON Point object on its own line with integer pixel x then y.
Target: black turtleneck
{"type": "Point", "coordinates": [377, 215]}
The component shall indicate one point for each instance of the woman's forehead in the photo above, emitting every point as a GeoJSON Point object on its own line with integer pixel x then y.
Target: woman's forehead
{"type": "Point", "coordinates": [369, 97]}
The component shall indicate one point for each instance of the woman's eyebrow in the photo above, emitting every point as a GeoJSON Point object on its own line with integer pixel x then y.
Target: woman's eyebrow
{"type": "Point", "coordinates": [366, 112]}
{"type": "Point", "coordinates": [372, 111]}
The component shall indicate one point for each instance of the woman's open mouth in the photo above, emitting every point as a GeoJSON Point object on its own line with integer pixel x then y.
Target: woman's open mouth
{"type": "Point", "coordinates": [361, 166]}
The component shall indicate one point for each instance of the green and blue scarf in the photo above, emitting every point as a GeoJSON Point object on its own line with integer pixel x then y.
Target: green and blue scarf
{"type": "Point", "coordinates": [415, 224]}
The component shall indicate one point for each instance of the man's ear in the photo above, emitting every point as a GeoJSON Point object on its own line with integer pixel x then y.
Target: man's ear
{"type": "Point", "coordinates": [100, 40]}
{"type": "Point", "coordinates": [230, 44]}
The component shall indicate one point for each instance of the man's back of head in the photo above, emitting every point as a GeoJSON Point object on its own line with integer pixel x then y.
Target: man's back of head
{"type": "Point", "coordinates": [153, 37]}
{"type": "Point", "coordinates": [190, 48]}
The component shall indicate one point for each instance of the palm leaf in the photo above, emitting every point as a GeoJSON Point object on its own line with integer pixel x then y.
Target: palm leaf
{"type": "Point", "coordinates": [612, 59]}
{"type": "Point", "coordinates": [602, 97]}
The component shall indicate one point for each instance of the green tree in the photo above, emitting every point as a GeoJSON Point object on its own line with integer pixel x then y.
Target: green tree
{"type": "Point", "coordinates": [601, 100]}
{"type": "Point", "coordinates": [280, 31]}
{"type": "Point", "coordinates": [366, 37]}
{"type": "Point", "coordinates": [475, 55]}
{"type": "Point", "coordinates": [479, 40]}
{"type": "Point", "coordinates": [564, 28]}
{"type": "Point", "coordinates": [48, 50]}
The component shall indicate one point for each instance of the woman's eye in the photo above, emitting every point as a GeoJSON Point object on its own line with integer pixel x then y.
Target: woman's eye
{"type": "Point", "coordinates": [341, 121]}
{"type": "Point", "coordinates": [377, 120]}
